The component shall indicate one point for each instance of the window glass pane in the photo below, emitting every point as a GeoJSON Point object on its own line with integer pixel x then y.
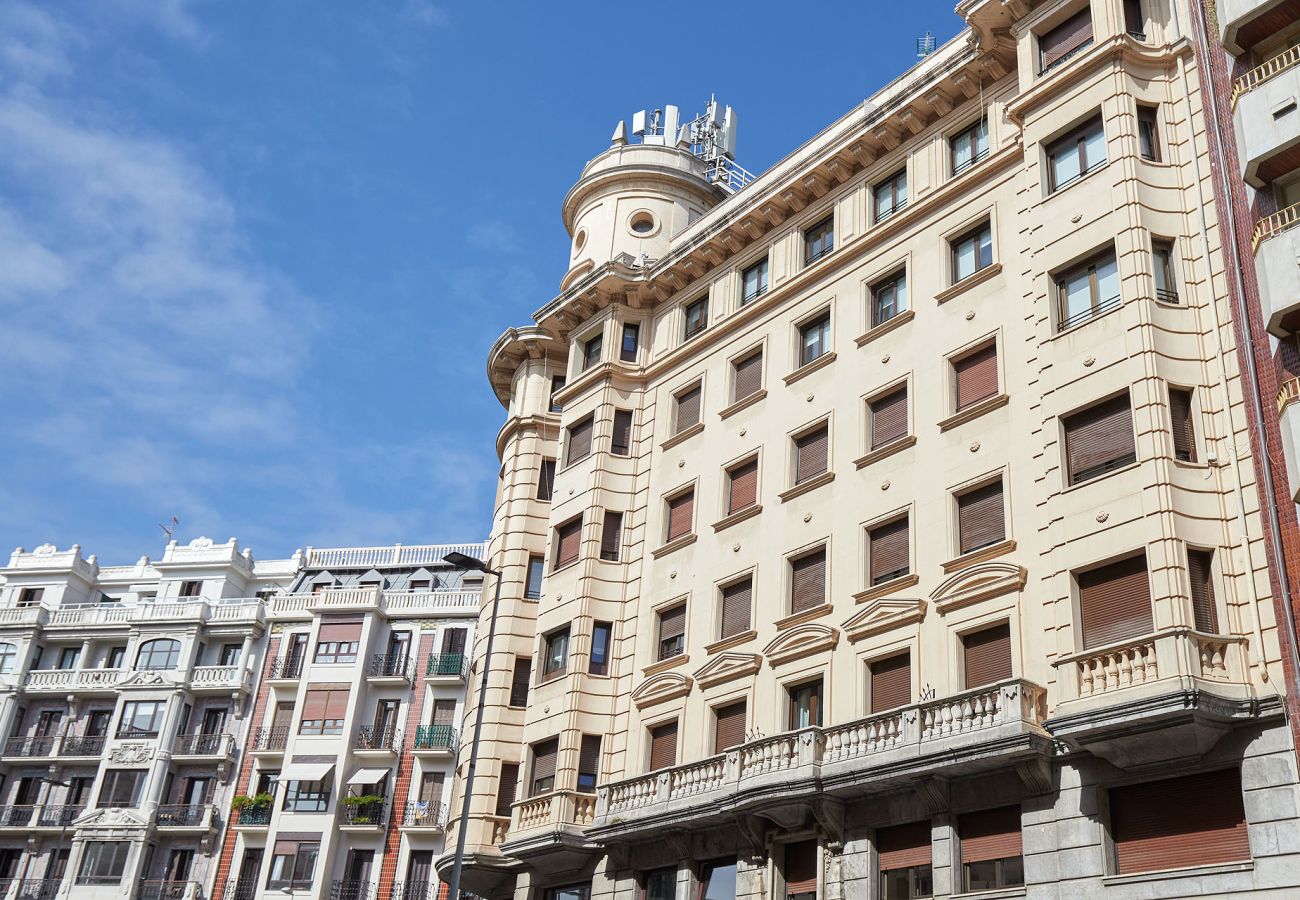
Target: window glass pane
{"type": "Point", "coordinates": [719, 882]}
{"type": "Point", "coordinates": [1094, 145]}
{"type": "Point", "coordinates": [964, 259]}
{"type": "Point", "coordinates": [1107, 280]}
{"type": "Point", "coordinates": [1065, 165]}
{"type": "Point", "coordinates": [1078, 295]}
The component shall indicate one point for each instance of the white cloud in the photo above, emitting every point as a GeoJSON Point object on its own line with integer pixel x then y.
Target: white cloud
{"type": "Point", "coordinates": [424, 14]}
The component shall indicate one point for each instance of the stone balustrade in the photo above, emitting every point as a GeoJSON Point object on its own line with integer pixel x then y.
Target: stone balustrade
{"type": "Point", "coordinates": [554, 809]}
{"type": "Point", "coordinates": [395, 603]}
{"type": "Point", "coordinates": [1169, 657]}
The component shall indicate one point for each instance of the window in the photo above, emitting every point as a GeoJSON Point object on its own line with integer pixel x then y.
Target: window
{"type": "Point", "coordinates": [697, 318]}
{"type": "Point", "coordinates": [325, 708]}
{"type": "Point", "coordinates": [986, 655]}
{"type": "Point", "coordinates": [808, 581]}
{"type": "Point", "coordinates": [981, 521]}
{"type": "Point", "coordinates": [1065, 40]}
{"type": "Point", "coordinates": [975, 376]}
{"type": "Point", "coordinates": [533, 589]}
{"type": "Point", "coordinates": [116, 657]}
{"type": "Point", "coordinates": [1089, 289]}
{"type": "Point", "coordinates": [1099, 439]}
{"type": "Point", "coordinates": [1162, 252]}
{"type": "Point", "coordinates": [191, 588]}
{"type": "Point", "coordinates": [747, 376]}
{"type": "Point", "coordinates": [805, 704]}
{"type": "Point", "coordinates": [888, 419]}
{"type": "Point", "coordinates": [1151, 829]}
{"type": "Point", "coordinates": [753, 282]}
{"type": "Point", "coordinates": [230, 654]}
{"type": "Point", "coordinates": [544, 755]}
{"type": "Point", "coordinates": [660, 884]}
{"type": "Point", "coordinates": [8, 656]}
{"type": "Point", "coordinates": [338, 641]}
{"type": "Point", "coordinates": [620, 443]}
{"type": "Point", "coordinates": [811, 453]}
{"type": "Point", "coordinates": [814, 339]}
{"type": "Point", "coordinates": [889, 551]}
{"type": "Point", "coordinates": [293, 865]}
{"type": "Point", "coordinates": [819, 240]}
{"type": "Point", "coordinates": [969, 146]}
{"type": "Point", "coordinates": [737, 605]}
{"type": "Point", "coordinates": [1115, 602]}
{"type": "Point", "coordinates": [1074, 155]}
{"type": "Point", "coordinates": [30, 596]}
{"type": "Point", "coordinates": [630, 342]}
{"type": "Point", "coordinates": [557, 385]}
{"type": "Point", "coordinates": [742, 485]}
{"type": "Point", "coordinates": [800, 870]}
{"type": "Point", "coordinates": [1200, 572]}
{"type": "Point", "coordinates": [591, 351]}
{"type": "Point", "coordinates": [580, 440]}
{"type": "Point", "coordinates": [611, 536]}
{"type": "Point", "coordinates": [905, 858]}
{"type": "Point", "coordinates": [728, 726]}
{"type": "Point", "coordinates": [160, 654]}
{"type": "Point", "coordinates": [1180, 414]}
{"type": "Point", "coordinates": [890, 195]}
{"type": "Point", "coordinates": [1134, 21]}
{"type": "Point", "coordinates": [589, 763]}
{"type": "Point", "coordinates": [306, 796]}
{"type": "Point", "coordinates": [520, 678]}
{"type": "Point", "coordinates": [568, 542]}
{"type": "Point", "coordinates": [68, 658]}
{"type": "Point", "coordinates": [1148, 133]}
{"type": "Point", "coordinates": [555, 655]}
{"type": "Point", "coordinates": [888, 298]}
{"type": "Point", "coordinates": [572, 892]}
{"type": "Point", "coordinates": [103, 862]}
{"type": "Point", "coordinates": [991, 849]}
{"type": "Point", "coordinates": [688, 405]}
{"type": "Point", "coordinates": [507, 786]}
{"type": "Point", "coordinates": [601, 634]}
{"type": "Point", "coordinates": [672, 632]}
{"type": "Point", "coordinates": [141, 718]}
{"type": "Point", "coordinates": [121, 788]}
{"type": "Point", "coordinates": [681, 514]}
{"type": "Point", "coordinates": [663, 745]}
{"type": "Point", "coordinates": [891, 682]}
{"type": "Point", "coordinates": [971, 252]}
{"type": "Point", "coordinates": [718, 880]}
{"type": "Point", "coordinates": [546, 480]}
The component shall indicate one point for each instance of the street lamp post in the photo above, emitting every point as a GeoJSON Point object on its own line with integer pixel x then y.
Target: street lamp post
{"type": "Point", "coordinates": [469, 562]}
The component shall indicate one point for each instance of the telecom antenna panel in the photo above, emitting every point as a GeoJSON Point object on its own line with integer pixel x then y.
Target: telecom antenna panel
{"type": "Point", "coordinates": [925, 45]}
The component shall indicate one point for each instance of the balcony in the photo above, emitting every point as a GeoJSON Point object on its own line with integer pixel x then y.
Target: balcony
{"type": "Point", "coordinates": [185, 817]}
{"type": "Point", "coordinates": [30, 747]}
{"type": "Point", "coordinates": [418, 890]}
{"type": "Point", "coordinates": [37, 889]}
{"type": "Point", "coordinates": [1237, 26]}
{"type": "Point", "coordinates": [1265, 113]}
{"type": "Point", "coordinates": [17, 816]}
{"type": "Point", "coordinates": [60, 816]}
{"type": "Point", "coordinates": [989, 728]}
{"type": "Point", "coordinates": [82, 746]}
{"type": "Point", "coordinates": [447, 668]}
{"type": "Point", "coordinates": [557, 811]}
{"type": "Point", "coordinates": [1277, 244]}
{"type": "Point", "coordinates": [372, 740]}
{"type": "Point", "coordinates": [269, 740]}
{"type": "Point", "coordinates": [252, 817]}
{"type": "Point", "coordinates": [208, 746]}
{"type": "Point", "coordinates": [219, 679]}
{"type": "Point", "coordinates": [435, 739]}
{"type": "Point", "coordinates": [286, 668]}
{"type": "Point", "coordinates": [352, 890]}
{"type": "Point", "coordinates": [169, 890]}
{"type": "Point", "coordinates": [362, 816]}
{"type": "Point", "coordinates": [48, 816]}
{"type": "Point", "coordinates": [1288, 414]}
{"type": "Point", "coordinates": [390, 668]}
{"type": "Point", "coordinates": [391, 603]}
{"type": "Point", "coordinates": [422, 814]}
{"type": "Point", "coordinates": [64, 681]}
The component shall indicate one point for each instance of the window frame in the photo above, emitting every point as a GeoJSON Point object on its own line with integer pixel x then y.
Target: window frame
{"type": "Point", "coordinates": [297, 879]}
{"type": "Point", "coordinates": [561, 639]}
{"type": "Point", "coordinates": [972, 234]}
{"type": "Point", "coordinates": [1098, 305]}
{"type": "Point", "coordinates": [697, 310]}
{"type": "Point", "coordinates": [171, 657]}
{"type": "Point", "coordinates": [895, 281]}
{"type": "Point", "coordinates": [821, 424]}
{"type": "Point", "coordinates": [624, 354]}
{"type": "Point", "coordinates": [91, 870]}
{"type": "Point", "coordinates": [819, 239]}
{"type": "Point", "coordinates": [749, 577]}
{"type": "Point", "coordinates": [971, 135]}
{"type": "Point", "coordinates": [728, 479]}
{"type": "Point", "coordinates": [818, 327]}
{"type": "Point", "coordinates": [686, 490]}
{"type": "Point", "coordinates": [307, 796]}
{"type": "Point", "coordinates": [1163, 268]}
{"type": "Point", "coordinates": [1075, 140]}
{"type": "Point", "coordinates": [606, 648]}
{"type": "Point", "coordinates": [592, 349]}
{"type": "Point", "coordinates": [1148, 132]}
{"type": "Point", "coordinates": [763, 267]}
{"type": "Point", "coordinates": [671, 647]}
{"type": "Point", "coordinates": [130, 712]}
{"type": "Point", "coordinates": [965, 353]}
{"type": "Point", "coordinates": [900, 385]}
{"type": "Point", "coordinates": [540, 571]}
{"type": "Point", "coordinates": [793, 690]}
{"type": "Point", "coordinates": [888, 519]}
{"type": "Point", "coordinates": [897, 205]}
{"type": "Point", "coordinates": [965, 490]}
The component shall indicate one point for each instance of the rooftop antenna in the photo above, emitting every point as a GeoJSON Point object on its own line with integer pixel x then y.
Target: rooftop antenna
{"type": "Point", "coordinates": [925, 45]}
{"type": "Point", "coordinates": [170, 529]}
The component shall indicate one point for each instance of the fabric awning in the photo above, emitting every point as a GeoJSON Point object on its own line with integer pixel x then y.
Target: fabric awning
{"type": "Point", "coordinates": [367, 776]}
{"type": "Point", "coordinates": [306, 771]}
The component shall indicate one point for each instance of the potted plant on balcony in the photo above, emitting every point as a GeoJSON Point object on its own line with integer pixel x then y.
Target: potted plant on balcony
{"type": "Point", "coordinates": [365, 808]}
{"type": "Point", "coordinates": [256, 804]}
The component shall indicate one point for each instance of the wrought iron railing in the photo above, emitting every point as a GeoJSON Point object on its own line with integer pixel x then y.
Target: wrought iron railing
{"type": "Point", "coordinates": [30, 746]}
{"type": "Point", "coordinates": [425, 814]}
{"type": "Point", "coordinates": [202, 744]}
{"type": "Point", "coordinates": [371, 814]}
{"type": "Point", "coordinates": [352, 890]}
{"type": "Point", "coordinates": [16, 816]}
{"type": "Point", "coordinates": [390, 665]}
{"type": "Point", "coordinates": [519, 694]}
{"type": "Point", "coordinates": [286, 666]}
{"type": "Point", "coordinates": [369, 738]}
{"type": "Point", "coordinates": [271, 738]}
{"type": "Point", "coordinates": [446, 665]}
{"type": "Point", "coordinates": [164, 890]}
{"type": "Point", "coordinates": [239, 890]}
{"type": "Point", "coordinates": [435, 737]}
{"type": "Point", "coordinates": [1083, 315]}
{"type": "Point", "coordinates": [61, 816]}
{"type": "Point", "coordinates": [180, 815]}
{"type": "Point", "coordinates": [38, 889]}
{"type": "Point", "coordinates": [82, 745]}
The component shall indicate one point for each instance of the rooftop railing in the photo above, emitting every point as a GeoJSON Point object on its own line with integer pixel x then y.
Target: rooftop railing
{"type": "Point", "coordinates": [395, 555]}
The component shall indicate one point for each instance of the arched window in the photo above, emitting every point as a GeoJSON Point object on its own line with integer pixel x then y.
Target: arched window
{"type": "Point", "coordinates": [159, 654]}
{"type": "Point", "coordinates": [8, 654]}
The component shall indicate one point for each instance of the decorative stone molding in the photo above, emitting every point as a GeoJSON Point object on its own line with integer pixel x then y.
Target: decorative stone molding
{"type": "Point", "coordinates": [727, 667]}
{"type": "Point", "coordinates": [883, 615]}
{"type": "Point", "coordinates": [661, 688]}
{"type": "Point", "coordinates": [978, 583]}
{"type": "Point", "coordinates": [146, 679]}
{"type": "Point", "coordinates": [131, 753]}
{"type": "Point", "coordinates": [799, 642]}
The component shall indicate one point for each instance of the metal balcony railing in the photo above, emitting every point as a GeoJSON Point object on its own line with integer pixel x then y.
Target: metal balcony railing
{"type": "Point", "coordinates": [30, 746]}
{"type": "Point", "coordinates": [82, 745]}
{"type": "Point", "coordinates": [369, 738]}
{"type": "Point", "coordinates": [165, 890]}
{"type": "Point", "coordinates": [352, 890]}
{"type": "Point", "coordinates": [17, 816]}
{"type": "Point", "coordinates": [180, 815]}
{"type": "Point", "coordinates": [415, 890]}
{"type": "Point", "coordinates": [255, 816]}
{"type": "Point", "coordinates": [435, 737]}
{"type": "Point", "coordinates": [37, 889]}
{"type": "Point", "coordinates": [201, 745]}
{"type": "Point", "coordinates": [286, 666]}
{"type": "Point", "coordinates": [239, 890]}
{"type": "Point", "coordinates": [60, 816]}
{"type": "Point", "coordinates": [1092, 312]}
{"type": "Point", "coordinates": [363, 814]}
{"type": "Point", "coordinates": [390, 665]}
{"type": "Point", "coordinates": [446, 665]}
{"type": "Point", "coordinates": [271, 738]}
{"type": "Point", "coordinates": [425, 814]}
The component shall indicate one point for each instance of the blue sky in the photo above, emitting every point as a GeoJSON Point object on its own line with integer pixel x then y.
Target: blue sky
{"type": "Point", "coordinates": [252, 255]}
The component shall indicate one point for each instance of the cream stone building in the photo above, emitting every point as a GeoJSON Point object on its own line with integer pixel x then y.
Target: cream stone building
{"type": "Point", "coordinates": [886, 525]}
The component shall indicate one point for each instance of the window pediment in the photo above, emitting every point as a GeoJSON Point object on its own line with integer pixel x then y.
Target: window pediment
{"type": "Point", "coordinates": [978, 583]}
{"type": "Point", "coordinates": [883, 615]}
{"type": "Point", "coordinates": [801, 641]}
{"type": "Point", "coordinates": [661, 688]}
{"type": "Point", "coordinates": [727, 667]}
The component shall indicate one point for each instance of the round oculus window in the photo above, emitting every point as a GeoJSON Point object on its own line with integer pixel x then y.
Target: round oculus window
{"type": "Point", "coordinates": [642, 223]}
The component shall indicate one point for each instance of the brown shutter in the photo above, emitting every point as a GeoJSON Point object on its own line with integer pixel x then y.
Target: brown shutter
{"type": "Point", "coordinates": [589, 755]}
{"type": "Point", "coordinates": [1071, 34]}
{"type": "Point", "coordinates": [340, 630]}
{"type": "Point", "coordinates": [336, 704]}
{"type": "Point", "coordinates": [903, 846]}
{"type": "Point", "coordinates": [1199, 572]}
{"type": "Point", "coordinates": [729, 726]}
{"type": "Point", "coordinates": [801, 867]}
{"type": "Point", "coordinates": [506, 788]}
{"type": "Point", "coordinates": [989, 834]}
{"type": "Point", "coordinates": [980, 520]}
{"type": "Point", "coordinates": [688, 409]}
{"type": "Point", "coordinates": [889, 418]}
{"type": "Point", "coordinates": [891, 682]}
{"type": "Point", "coordinates": [444, 712]}
{"type": "Point", "coordinates": [568, 540]}
{"type": "Point", "coordinates": [749, 376]}
{"type": "Point", "coordinates": [737, 600]}
{"type": "Point", "coordinates": [523, 672]}
{"type": "Point", "coordinates": [544, 755]}
{"type": "Point", "coordinates": [1180, 412]}
{"type": "Point", "coordinates": [663, 746]}
{"type": "Point", "coordinates": [580, 440]}
{"type": "Point", "coordinates": [313, 707]}
{"type": "Point", "coordinates": [611, 536]}
{"type": "Point", "coordinates": [681, 513]}
{"type": "Point", "coordinates": [431, 787]}
{"type": "Point", "coordinates": [808, 581]}
{"type": "Point", "coordinates": [453, 640]}
{"type": "Point", "coordinates": [1116, 602]}
{"type": "Point", "coordinates": [987, 655]}
{"type": "Point", "coordinates": [977, 376]}
{"type": "Point", "coordinates": [1100, 436]}
{"type": "Point", "coordinates": [1153, 830]}
{"type": "Point", "coordinates": [889, 550]}
{"type": "Point", "coordinates": [546, 480]}
{"type": "Point", "coordinates": [744, 486]}
{"type": "Point", "coordinates": [672, 623]}
{"type": "Point", "coordinates": [811, 454]}
{"type": "Point", "coordinates": [621, 442]}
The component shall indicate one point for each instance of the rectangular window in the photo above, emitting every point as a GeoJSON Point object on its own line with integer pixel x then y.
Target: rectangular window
{"type": "Point", "coordinates": [811, 453]}
{"type": "Point", "coordinates": [620, 442]}
{"type": "Point", "coordinates": [805, 704]}
{"type": "Point", "coordinates": [591, 352]}
{"type": "Point", "coordinates": [888, 298]}
{"type": "Point", "coordinates": [800, 870]}
{"type": "Point", "coordinates": [747, 377]}
{"type": "Point", "coordinates": [1180, 414]}
{"type": "Point", "coordinates": [557, 385]}
{"type": "Point", "coordinates": [986, 655]}
{"type": "Point", "coordinates": [544, 756]}
{"type": "Point", "coordinates": [630, 343]}
{"type": "Point", "coordinates": [808, 581]}
{"type": "Point", "coordinates": [1115, 602]}
{"type": "Point", "coordinates": [1099, 439]}
{"type": "Point", "coordinates": [688, 404]}
{"type": "Point", "coordinates": [742, 486]}
{"type": "Point", "coordinates": [737, 607]}
{"type": "Point", "coordinates": [969, 146]}
{"type": "Point", "coordinates": [293, 865]}
{"type": "Point", "coordinates": [1075, 154]}
{"type": "Point", "coordinates": [507, 786]}
{"type": "Point", "coordinates": [981, 521]}
{"type": "Point", "coordinates": [68, 658]}
{"type": "Point", "coordinates": [191, 588]}
{"type": "Point", "coordinates": [971, 252]}
{"type": "Point", "coordinates": [1087, 290]}
{"type": "Point", "coordinates": [546, 480]}
{"type": "Point", "coordinates": [888, 550]}
{"type": "Point", "coordinates": [307, 796]}
{"type": "Point", "coordinates": [753, 282]}
{"type": "Point", "coordinates": [891, 682]}
{"type": "Point", "coordinates": [571, 892]}
{"type": "Point", "coordinates": [663, 746]}
{"type": "Point", "coordinates": [905, 858]}
{"type": "Point", "coordinates": [888, 418]}
{"type": "Point", "coordinates": [601, 635]}
{"type": "Point", "coordinates": [30, 596]}
{"type": "Point", "coordinates": [991, 849]}
{"type": "Point", "coordinates": [728, 726]}
{"type": "Point", "coordinates": [580, 440]}
{"type": "Point", "coordinates": [611, 536]}
{"type": "Point", "coordinates": [1200, 572]}
{"type": "Point", "coordinates": [1148, 133]}
{"type": "Point", "coordinates": [568, 542]}
{"type": "Point", "coordinates": [519, 681]}
{"type": "Point", "coordinates": [555, 655]}
{"type": "Point", "coordinates": [681, 515]}
{"type": "Point", "coordinates": [1162, 252]}
{"type": "Point", "coordinates": [338, 641]}
{"type": "Point", "coordinates": [1134, 21]}
{"type": "Point", "coordinates": [697, 318]}
{"type": "Point", "coordinates": [141, 718]}
{"type": "Point", "coordinates": [890, 195]}
{"type": "Point", "coordinates": [324, 710]}
{"type": "Point", "coordinates": [1152, 831]}
{"type": "Point", "coordinates": [819, 240]}
{"type": "Point", "coordinates": [121, 788]}
{"type": "Point", "coordinates": [533, 588]}
{"type": "Point", "coordinates": [661, 884]}
{"type": "Point", "coordinates": [589, 763]}
{"type": "Point", "coordinates": [103, 862]}
{"type": "Point", "coordinates": [814, 339]}
{"type": "Point", "coordinates": [672, 632]}
{"type": "Point", "coordinates": [1065, 40]}
{"type": "Point", "coordinates": [718, 880]}
{"type": "Point", "coordinates": [975, 376]}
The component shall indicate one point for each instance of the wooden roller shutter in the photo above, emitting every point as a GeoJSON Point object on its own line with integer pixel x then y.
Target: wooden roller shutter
{"type": "Point", "coordinates": [904, 846]}
{"type": "Point", "coordinates": [749, 376]}
{"type": "Point", "coordinates": [1099, 439]}
{"type": "Point", "coordinates": [808, 581]}
{"type": "Point", "coordinates": [1065, 38]}
{"type": "Point", "coordinates": [987, 655]}
{"type": "Point", "coordinates": [1196, 820]}
{"type": "Point", "coordinates": [672, 623]}
{"type": "Point", "coordinates": [611, 536]}
{"type": "Point", "coordinates": [688, 409]}
{"type": "Point", "coordinates": [544, 755]}
{"type": "Point", "coordinates": [453, 640]}
{"type": "Point", "coordinates": [737, 601]}
{"type": "Point", "coordinates": [506, 788]}
{"type": "Point", "coordinates": [989, 834]}
{"type": "Point", "coordinates": [744, 486]}
{"type": "Point", "coordinates": [336, 704]}
{"type": "Point", "coordinates": [1180, 414]}
{"type": "Point", "coordinates": [589, 756]}
{"type": "Point", "coordinates": [313, 707]}
{"type": "Point", "coordinates": [811, 454]}
{"type": "Point", "coordinates": [580, 439]}
{"type": "Point", "coordinates": [729, 726]}
{"type": "Point", "coordinates": [1116, 602]}
{"type": "Point", "coordinates": [889, 418]}
{"type": "Point", "coordinates": [980, 520]}
{"type": "Point", "coordinates": [568, 541]}
{"type": "Point", "coordinates": [621, 442]}
{"type": "Point", "coordinates": [888, 547]}
{"type": "Point", "coordinates": [891, 682]}
{"type": "Point", "coordinates": [1199, 571]}
{"type": "Point", "coordinates": [801, 868]}
{"type": "Point", "coordinates": [681, 513]}
{"type": "Point", "coordinates": [444, 712]}
{"type": "Point", "coordinates": [977, 376]}
{"type": "Point", "coordinates": [342, 630]}
{"type": "Point", "coordinates": [663, 746]}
